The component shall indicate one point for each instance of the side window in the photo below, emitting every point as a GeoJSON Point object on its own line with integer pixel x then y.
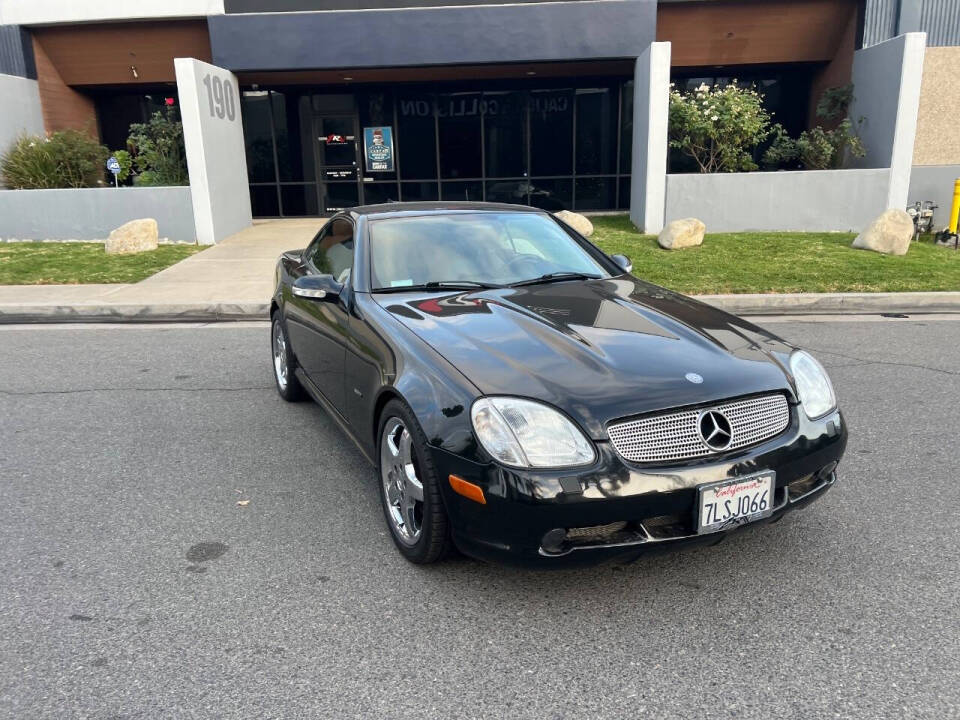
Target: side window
{"type": "Point", "coordinates": [332, 251]}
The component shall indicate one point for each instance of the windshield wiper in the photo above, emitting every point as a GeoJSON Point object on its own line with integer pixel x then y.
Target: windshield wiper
{"type": "Point", "coordinates": [440, 285]}
{"type": "Point", "coordinates": [556, 276]}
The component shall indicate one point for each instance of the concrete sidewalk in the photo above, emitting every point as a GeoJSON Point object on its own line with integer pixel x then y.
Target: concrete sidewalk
{"type": "Point", "coordinates": [228, 281]}
{"type": "Point", "coordinates": [234, 281]}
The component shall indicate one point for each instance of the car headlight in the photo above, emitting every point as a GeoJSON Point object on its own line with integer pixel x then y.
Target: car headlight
{"type": "Point", "coordinates": [524, 433]}
{"type": "Point", "coordinates": [813, 385]}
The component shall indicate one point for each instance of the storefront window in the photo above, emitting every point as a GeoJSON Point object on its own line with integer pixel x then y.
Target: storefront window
{"type": "Point", "coordinates": [264, 201]}
{"type": "Point", "coordinates": [596, 131]}
{"type": "Point", "coordinates": [376, 110]}
{"type": "Point", "coordinates": [420, 191]}
{"type": "Point", "coordinates": [596, 193]}
{"type": "Point", "coordinates": [552, 195]}
{"type": "Point", "coordinates": [292, 122]}
{"type": "Point", "coordinates": [258, 136]}
{"type": "Point", "coordinates": [416, 137]}
{"type": "Point", "coordinates": [469, 191]}
{"type": "Point", "coordinates": [553, 148]}
{"type": "Point", "coordinates": [458, 119]}
{"type": "Point", "coordinates": [376, 193]}
{"type": "Point", "coordinates": [551, 132]}
{"type": "Point", "coordinates": [626, 127]}
{"type": "Point", "coordinates": [505, 134]}
{"type": "Point", "coordinates": [299, 200]}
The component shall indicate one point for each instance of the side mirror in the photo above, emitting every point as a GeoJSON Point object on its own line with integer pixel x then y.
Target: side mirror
{"type": "Point", "coordinates": [623, 261]}
{"type": "Point", "coordinates": [317, 287]}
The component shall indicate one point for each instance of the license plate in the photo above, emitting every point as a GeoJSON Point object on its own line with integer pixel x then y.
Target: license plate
{"type": "Point", "coordinates": [729, 503]}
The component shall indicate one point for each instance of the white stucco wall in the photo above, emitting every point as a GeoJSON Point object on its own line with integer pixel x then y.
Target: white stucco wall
{"type": "Point", "coordinates": [20, 112]}
{"type": "Point", "coordinates": [806, 200]}
{"type": "Point", "coordinates": [43, 12]}
{"type": "Point", "coordinates": [651, 113]}
{"type": "Point", "coordinates": [216, 158]}
{"type": "Point", "coordinates": [91, 213]}
{"type": "Point", "coordinates": [886, 79]}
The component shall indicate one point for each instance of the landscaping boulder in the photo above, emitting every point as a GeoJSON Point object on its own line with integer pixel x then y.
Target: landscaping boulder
{"type": "Point", "coordinates": [577, 221]}
{"type": "Point", "coordinates": [681, 234]}
{"type": "Point", "coordinates": [890, 233]}
{"type": "Point", "coordinates": [133, 237]}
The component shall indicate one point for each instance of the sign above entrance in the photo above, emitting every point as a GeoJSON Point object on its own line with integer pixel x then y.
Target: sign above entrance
{"type": "Point", "coordinates": [378, 149]}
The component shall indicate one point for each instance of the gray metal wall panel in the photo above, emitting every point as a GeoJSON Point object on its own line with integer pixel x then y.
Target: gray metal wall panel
{"type": "Point", "coordinates": [434, 36]}
{"type": "Point", "coordinates": [940, 19]}
{"type": "Point", "coordinates": [16, 52]}
{"type": "Point", "coordinates": [879, 21]}
{"type": "Point", "coordinates": [271, 6]}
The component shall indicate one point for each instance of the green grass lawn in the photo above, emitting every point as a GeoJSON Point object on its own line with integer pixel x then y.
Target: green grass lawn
{"type": "Point", "coordinates": [777, 262]}
{"type": "Point", "coordinates": [82, 263]}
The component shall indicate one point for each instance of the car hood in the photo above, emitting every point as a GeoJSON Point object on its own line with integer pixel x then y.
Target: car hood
{"type": "Point", "coordinates": [598, 349]}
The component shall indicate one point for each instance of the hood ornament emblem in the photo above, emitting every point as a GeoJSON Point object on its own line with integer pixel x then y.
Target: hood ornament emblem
{"type": "Point", "coordinates": [694, 378]}
{"type": "Point", "coordinates": [715, 429]}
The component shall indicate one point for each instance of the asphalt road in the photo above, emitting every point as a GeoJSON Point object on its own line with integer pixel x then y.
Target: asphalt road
{"type": "Point", "coordinates": [133, 585]}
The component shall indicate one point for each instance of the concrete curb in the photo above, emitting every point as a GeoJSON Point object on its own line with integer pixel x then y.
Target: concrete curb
{"type": "Point", "coordinates": [836, 303]}
{"type": "Point", "coordinates": [747, 304]}
{"type": "Point", "coordinates": [132, 313]}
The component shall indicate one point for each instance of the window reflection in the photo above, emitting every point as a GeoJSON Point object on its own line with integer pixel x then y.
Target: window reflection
{"type": "Point", "coordinates": [257, 136]}
{"type": "Point", "coordinates": [596, 131]}
{"type": "Point", "coordinates": [553, 148]}
{"type": "Point", "coordinates": [551, 132]}
{"type": "Point", "coordinates": [458, 118]}
{"type": "Point", "coordinates": [504, 128]}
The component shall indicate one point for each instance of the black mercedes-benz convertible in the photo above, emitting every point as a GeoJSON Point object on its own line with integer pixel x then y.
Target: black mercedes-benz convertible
{"type": "Point", "coordinates": [526, 399]}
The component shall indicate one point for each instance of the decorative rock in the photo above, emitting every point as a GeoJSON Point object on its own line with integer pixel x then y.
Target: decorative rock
{"type": "Point", "coordinates": [577, 221]}
{"type": "Point", "coordinates": [133, 237]}
{"type": "Point", "coordinates": [681, 234]}
{"type": "Point", "coordinates": [890, 234]}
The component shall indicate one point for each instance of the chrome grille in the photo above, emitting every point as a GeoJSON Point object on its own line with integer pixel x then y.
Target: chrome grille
{"type": "Point", "coordinates": [675, 435]}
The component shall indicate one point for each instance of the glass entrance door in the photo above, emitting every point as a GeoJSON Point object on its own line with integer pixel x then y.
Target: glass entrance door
{"type": "Point", "coordinates": [337, 161]}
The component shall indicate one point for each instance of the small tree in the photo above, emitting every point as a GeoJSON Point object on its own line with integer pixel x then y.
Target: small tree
{"type": "Point", "coordinates": [718, 127]}
{"type": "Point", "coordinates": [159, 153]}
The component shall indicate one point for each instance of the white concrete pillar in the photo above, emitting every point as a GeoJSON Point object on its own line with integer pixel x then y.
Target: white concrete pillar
{"type": "Point", "coordinates": [21, 113]}
{"type": "Point", "coordinates": [651, 114]}
{"type": "Point", "coordinates": [886, 88]}
{"type": "Point", "coordinates": [216, 158]}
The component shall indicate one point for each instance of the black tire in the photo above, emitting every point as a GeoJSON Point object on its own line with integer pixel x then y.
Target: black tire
{"type": "Point", "coordinates": [288, 386]}
{"type": "Point", "coordinates": [433, 542]}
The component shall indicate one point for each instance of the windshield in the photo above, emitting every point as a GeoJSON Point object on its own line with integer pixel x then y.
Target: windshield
{"type": "Point", "coordinates": [480, 248]}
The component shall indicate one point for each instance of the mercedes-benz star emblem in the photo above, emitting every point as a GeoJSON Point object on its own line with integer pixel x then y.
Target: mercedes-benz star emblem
{"type": "Point", "coordinates": [715, 430]}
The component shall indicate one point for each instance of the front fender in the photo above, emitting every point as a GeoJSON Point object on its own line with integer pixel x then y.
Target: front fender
{"type": "Point", "coordinates": [393, 362]}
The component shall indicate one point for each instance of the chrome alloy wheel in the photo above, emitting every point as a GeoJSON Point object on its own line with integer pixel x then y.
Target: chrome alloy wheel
{"type": "Point", "coordinates": [401, 486]}
{"type": "Point", "coordinates": [279, 354]}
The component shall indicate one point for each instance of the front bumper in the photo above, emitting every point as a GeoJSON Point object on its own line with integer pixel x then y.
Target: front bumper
{"type": "Point", "coordinates": [619, 509]}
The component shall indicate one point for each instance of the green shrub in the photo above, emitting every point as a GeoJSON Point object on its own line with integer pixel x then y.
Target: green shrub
{"type": "Point", "coordinates": [159, 153]}
{"type": "Point", "coordinates": [718, 127]}
{"type": "Point", "coordinates": [66, 159]}
{"type": "Point", "coordinates": [126, 164]}
{"type": "Point", "coordinates": [820, 148]}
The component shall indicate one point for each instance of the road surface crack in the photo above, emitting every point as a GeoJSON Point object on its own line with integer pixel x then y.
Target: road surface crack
{"type": "Point", "coordinates": [865, 361]}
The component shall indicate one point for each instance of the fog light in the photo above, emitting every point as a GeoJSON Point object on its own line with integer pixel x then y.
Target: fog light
{"type": "Point", "coordinates": [554, 540]}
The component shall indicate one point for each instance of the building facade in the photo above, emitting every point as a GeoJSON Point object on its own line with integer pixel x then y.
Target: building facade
{"type": "Point", "coordinates": [529, 102]}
